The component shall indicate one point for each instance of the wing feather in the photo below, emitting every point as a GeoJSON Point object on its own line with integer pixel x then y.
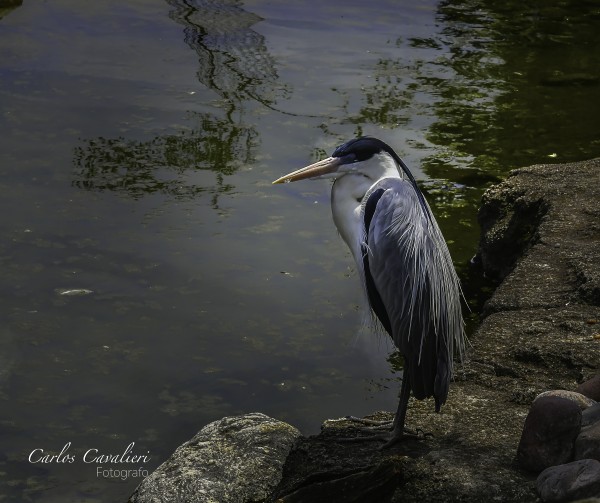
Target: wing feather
{"type": "Point", "coordinates": [410, 267]}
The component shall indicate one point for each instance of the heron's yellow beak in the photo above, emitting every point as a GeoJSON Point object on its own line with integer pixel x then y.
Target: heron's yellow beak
{"type": "Point", "coordinates": [315, 170]}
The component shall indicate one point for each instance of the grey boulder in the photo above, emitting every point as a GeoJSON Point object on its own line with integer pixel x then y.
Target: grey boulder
{"type": "Point", "coordinates": [587, 445]}
{"type": "Point", "coordinates": [569, 482]}
{"type": "Point", "coordinates": [549, 433]}
{"type": "Point", "coordinates": [234, 460]}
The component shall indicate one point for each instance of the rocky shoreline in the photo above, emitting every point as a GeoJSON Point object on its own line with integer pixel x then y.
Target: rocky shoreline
{"type": "Point", "coordinates": [540, 332]}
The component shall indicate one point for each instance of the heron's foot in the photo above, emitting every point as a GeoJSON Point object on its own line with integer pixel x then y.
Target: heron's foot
{"type": "Point", "coordinates": [370, 423]}
{"type": "Point", "coordinates": [372, 431]}
{"type": "Point", "coordinates": [405, 434]}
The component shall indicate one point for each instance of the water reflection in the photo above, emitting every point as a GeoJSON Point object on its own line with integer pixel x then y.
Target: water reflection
{"type": "Point", "coordinates": [234, 63]}
{"type": "Point", "coordinates": [166, 164]}
{"type": "Point", "coordinates": [233, 58]}
{"type": "Point", "coordinates": [510, 69]}
{"type": "Point", "coordinates": [389, 100]}
{"type": "Point", "coordinates": [6, 6]}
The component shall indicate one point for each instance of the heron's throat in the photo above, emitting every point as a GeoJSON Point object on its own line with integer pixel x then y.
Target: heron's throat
{"type": "Point", "coordinates": [348, 196]}
{"type": "Point", "coordinates": [346, 207]}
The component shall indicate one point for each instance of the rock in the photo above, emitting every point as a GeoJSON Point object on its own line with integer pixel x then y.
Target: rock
{"type": "Point", "coordinates": [328, 468]}
{"type": "Point", "coordinates": [579, 479]}
{"type": "Point", "coordinates": [533, 222]}
{"type": "Point", "coordinates": [236, 459]}
{"type": "Point", "coordinates": [581, 400]}
{"type": "Point", "coordinates": [374, 484]}
{"type": "Point", "coordinates": [587, 445]}
{"type": "Point", "coordinates": [590, 415]}
{"type": "Point", "coordinates": [549, 434]}
{"type": "Point", "coordinates": [591, 388]}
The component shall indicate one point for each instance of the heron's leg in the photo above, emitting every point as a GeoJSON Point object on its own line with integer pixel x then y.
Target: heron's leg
{"type": "Point", "coordinates": [397, 425]}
{"type": "Point", "coordinates": [398, 431]}
{"type": "Point", "coordinates": [400, 417]}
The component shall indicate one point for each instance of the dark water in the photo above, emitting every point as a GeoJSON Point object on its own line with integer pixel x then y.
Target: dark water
{"type": "Point", "coordinates": [153, 280]}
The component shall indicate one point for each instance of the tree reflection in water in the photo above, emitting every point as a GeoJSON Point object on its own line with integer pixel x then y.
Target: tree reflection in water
{"type": "Point", "coordinates": [234, 63]}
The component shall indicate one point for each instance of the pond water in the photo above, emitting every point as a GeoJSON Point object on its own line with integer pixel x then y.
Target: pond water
{"type": "Point", "coordinates": [153, 279]}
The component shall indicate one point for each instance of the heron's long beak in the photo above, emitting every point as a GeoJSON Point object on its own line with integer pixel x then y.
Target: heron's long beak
{"type": "Point", "coordinates": [315, 170]}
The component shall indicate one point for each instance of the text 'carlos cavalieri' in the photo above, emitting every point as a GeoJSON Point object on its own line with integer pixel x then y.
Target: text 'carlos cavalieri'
{"type": "Point", "coordinates": [93, 456]}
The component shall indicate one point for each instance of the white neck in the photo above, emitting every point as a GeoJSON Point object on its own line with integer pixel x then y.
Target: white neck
{"type": "Point", "coordinates": [348, 193]}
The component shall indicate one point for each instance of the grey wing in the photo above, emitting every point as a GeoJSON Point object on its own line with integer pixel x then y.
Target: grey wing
{"type": "Point", "coordinates": [411, 269]}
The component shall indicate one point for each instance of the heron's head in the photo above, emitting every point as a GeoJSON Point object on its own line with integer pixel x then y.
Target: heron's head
{"type": "Point", "coordinates": [365, 155]}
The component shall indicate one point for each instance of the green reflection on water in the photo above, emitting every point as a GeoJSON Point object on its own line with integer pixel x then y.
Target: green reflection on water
{"type": "Point", "coordinates": [524, 83]}
{"type": "Point", "coordinates": [164, 164]}
{"type": "Point", "coordinates": [234, 63]}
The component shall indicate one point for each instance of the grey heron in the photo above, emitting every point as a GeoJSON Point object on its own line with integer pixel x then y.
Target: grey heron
{"type": "Point", "coordinates": [403, 262]}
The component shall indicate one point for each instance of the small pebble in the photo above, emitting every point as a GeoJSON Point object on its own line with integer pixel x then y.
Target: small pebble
{"type": "Point", "coordinates": [569, 482]}
{"type": "Point", "coordinates": [549, 433]}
